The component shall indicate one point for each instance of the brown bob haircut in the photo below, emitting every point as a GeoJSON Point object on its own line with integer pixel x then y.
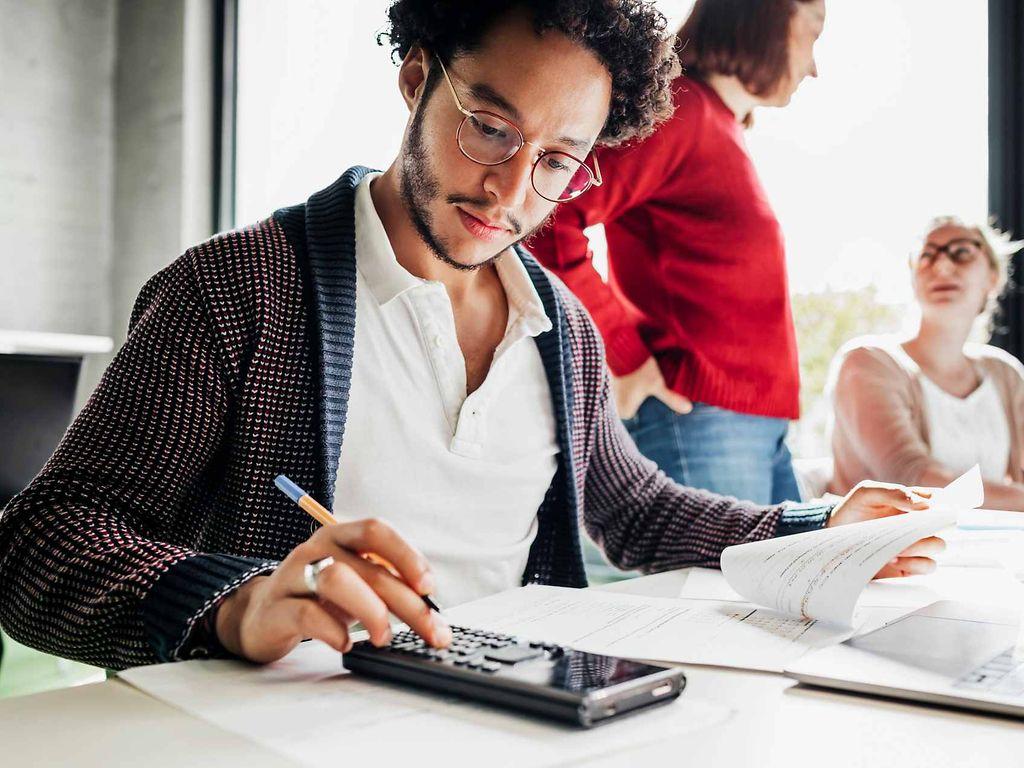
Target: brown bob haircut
{"type": "Point", "coordinates": [745, 38]}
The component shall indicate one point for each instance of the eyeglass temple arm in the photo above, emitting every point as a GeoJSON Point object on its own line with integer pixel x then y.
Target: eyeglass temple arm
{"type": "Point", "coordinates": [451, 87]}
{"type": "Point", "coordinates": [597, 180]}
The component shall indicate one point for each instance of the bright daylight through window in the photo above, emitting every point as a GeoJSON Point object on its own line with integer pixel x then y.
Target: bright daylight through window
{"type": "Point", "coordinates": [892, 133]}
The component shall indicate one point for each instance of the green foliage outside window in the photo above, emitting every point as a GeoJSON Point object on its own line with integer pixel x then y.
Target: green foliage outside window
{"type": "Point", "coordinates": [824, 322]}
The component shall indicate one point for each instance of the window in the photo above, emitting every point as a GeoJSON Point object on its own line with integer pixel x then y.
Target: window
{"type": "Point", "coordinates": [316, 95]}
{"type": "Point", "coordinates": [893, 132]}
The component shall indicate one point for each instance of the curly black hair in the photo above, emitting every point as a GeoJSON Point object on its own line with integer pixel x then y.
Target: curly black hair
{"type": "Point", "coordinates": [627, 36]}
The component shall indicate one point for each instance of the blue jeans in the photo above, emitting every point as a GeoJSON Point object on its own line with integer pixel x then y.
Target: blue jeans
{"type": "Point", "coordinates": [729, 453]}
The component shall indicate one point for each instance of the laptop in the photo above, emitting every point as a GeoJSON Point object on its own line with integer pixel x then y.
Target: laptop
{"type": "Point", "coordinates": [949, 653]}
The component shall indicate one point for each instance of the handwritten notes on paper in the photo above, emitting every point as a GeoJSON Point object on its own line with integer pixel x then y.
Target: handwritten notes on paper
{"type": "Point", "coordinates": [820, 574]}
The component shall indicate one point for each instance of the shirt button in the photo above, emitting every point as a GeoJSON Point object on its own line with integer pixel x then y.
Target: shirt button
{"type": "Point", "coordinates": [438, 341]}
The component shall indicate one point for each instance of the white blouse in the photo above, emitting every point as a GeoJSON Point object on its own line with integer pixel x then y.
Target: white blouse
{"type": "Point", "coordinates": [964, 431]}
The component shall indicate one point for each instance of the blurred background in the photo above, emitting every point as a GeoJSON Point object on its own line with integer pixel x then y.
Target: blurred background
{"type": "Point", "coordinates": [132, 129]}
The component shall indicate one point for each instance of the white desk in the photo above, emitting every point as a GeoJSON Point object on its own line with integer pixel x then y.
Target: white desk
{"type": "Point", "coordinates": [774, 723]}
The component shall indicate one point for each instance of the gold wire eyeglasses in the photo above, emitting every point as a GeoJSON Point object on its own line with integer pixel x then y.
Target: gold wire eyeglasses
{"type": "Point", "coordinates": [490, 139]}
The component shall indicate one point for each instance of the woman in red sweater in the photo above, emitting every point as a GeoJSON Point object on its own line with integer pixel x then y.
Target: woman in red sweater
{"type": "Point", "coordinates": [696, 314]}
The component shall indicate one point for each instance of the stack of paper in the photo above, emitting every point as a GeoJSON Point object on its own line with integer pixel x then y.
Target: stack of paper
{"type": "Point", "coordinates": [808, 585]}
{"type": "Point", "coordinates": [309, 709]}
{"type": "Point", "coordinates": [723, 633]}
{"type": "Point", "coordinates": [820, 574]}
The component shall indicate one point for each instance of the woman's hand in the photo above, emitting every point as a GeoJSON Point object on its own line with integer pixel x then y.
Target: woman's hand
{"type": "Point", "coordinates": [269, 615]}
{"type": "Point", "coordinates": [869, 501]}
{"type": "Point", "coordinates": [631, 390]}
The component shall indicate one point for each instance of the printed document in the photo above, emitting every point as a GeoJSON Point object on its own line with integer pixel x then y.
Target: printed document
{"type": "Point", "coordinates": [820, 574]}
{"type": "Point", "coordinates": [695, 631]}
{"type": "Point", "coordinates": [309, 709]}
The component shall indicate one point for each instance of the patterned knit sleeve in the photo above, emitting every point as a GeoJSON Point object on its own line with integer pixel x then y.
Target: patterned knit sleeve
{"type": "Point", "coordinates": [635, 513]}
{"type": "Point", "coordinates": [87, 570]}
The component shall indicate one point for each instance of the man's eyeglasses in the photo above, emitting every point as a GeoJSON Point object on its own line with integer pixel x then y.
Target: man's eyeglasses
{"type": "Point", "coordinates": [489, 139]}
{"type": "Point", "coordinates": [963, 250]}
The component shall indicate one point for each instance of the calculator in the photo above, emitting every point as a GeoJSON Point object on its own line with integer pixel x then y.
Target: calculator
{"type": "Point", "coordinates": [543, 679]}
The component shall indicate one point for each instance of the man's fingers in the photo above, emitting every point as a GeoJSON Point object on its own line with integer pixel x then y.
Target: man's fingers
{"type": "Point", "coordinates": [927, 547]}
{"type": "Point", "coordinates": [340, 615]}
{"type": "Point", "coordinates": [374, 535]}
{"type": "Point", "coordinates": [343, 586]}
{"type": "Point", "coordinates": [404, 603]}
{"type": "Point", "coordinates": [907, 566]}
{"type": "Point", "coordinates": [312, 620]}
{"type": "Point", "coordinates": [899, 498]}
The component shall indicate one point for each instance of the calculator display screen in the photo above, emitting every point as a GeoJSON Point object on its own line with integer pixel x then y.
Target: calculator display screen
{"type": "Point", "coordinates": [579, 672]}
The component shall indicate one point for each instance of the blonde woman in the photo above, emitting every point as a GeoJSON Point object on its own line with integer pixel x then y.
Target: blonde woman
{"type": "Point", "coordinates": [923, 410]}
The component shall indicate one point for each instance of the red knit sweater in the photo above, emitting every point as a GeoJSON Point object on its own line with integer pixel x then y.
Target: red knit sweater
{"type": "Point", "coordinates": [697, 270]}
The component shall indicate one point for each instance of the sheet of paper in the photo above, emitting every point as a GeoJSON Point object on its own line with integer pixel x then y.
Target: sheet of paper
{"type": "Point", "coordinates": [990, 520]}
{"type": "Point", "coordinates": [820, 574]}
{"type": "Point", "coordinates": [708, 584]}
{"type": "Point", "coordinates": [721, 633]}
{"type": "Point", "coordinates": [307, 708]}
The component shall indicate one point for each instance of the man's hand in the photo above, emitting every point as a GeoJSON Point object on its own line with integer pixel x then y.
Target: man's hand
{"type": "Point", "coordinates": [646, 381]}
{"type": "Point", "coordinates": [269, 615]}
{"type": "Point", "coordinates": [873, 500]}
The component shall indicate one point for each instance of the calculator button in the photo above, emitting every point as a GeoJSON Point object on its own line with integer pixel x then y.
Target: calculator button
{"type": "Point", "coordinates": [475, 663]}
{"type": "Point", "coordinates": [513, 654]}
{"type": "Point", "coordinates": [490, 666]}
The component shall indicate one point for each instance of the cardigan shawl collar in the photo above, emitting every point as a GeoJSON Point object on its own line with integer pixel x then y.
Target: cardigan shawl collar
{"type": "Point", "coordinates": [237, 368]}
{"type": "Point", "coordinates": [331, 267]}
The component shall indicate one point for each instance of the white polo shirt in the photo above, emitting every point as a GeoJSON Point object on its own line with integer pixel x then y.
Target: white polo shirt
{"type": "Point", "coordinates": [460, 477]}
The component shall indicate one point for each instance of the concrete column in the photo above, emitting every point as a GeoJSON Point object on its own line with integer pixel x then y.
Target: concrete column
{"type": "Point", "coordinates": [56, 147]}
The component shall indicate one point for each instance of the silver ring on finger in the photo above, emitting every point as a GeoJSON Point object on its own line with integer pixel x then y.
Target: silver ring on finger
{"type": "Point", "coordinates": [311, 573]}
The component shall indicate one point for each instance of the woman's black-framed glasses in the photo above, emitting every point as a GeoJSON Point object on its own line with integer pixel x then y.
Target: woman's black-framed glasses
{"type": "Point", "coordinates": [962, 250]}
{"type": "Point", "coordinates": [487, 138]}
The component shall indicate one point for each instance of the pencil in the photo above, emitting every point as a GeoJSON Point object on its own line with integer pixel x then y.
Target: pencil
{"type": "Point", "coordinates": [319, 513]}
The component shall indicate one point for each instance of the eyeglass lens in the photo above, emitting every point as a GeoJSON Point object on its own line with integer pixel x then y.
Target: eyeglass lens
{"type": "Point", "coordinates": [489, 139]}
{"type": "Point", "coordinates": [958, 251]}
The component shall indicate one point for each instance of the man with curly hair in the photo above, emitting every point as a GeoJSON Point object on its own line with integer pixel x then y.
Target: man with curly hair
{"type": "Point", "coordinates": [388, 346]}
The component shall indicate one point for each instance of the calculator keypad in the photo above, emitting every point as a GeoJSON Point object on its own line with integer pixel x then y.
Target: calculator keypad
{"type": "Point", "coordinates": [472, 649]}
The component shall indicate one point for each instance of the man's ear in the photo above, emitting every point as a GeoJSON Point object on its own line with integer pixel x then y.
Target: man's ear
{"type": "Point", "coordinates": [412, 75]}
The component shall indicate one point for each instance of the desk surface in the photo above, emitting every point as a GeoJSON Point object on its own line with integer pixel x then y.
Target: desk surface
{"type": "Point", "coordinates": [774, 722]}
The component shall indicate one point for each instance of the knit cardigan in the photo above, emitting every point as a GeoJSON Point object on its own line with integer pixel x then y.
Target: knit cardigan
{"type": "Point", "coordinates": [160, 498]}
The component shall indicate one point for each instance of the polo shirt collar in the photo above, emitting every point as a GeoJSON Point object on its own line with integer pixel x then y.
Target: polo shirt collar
{"type": "Point", "coordinates": [523, 300]}
{"type": "Point", "coordinates": [387, 279]}
{"type": "Point", "coordinates": [375, 259]}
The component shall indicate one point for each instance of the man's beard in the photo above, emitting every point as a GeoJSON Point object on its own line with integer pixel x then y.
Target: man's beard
{"type": "Point", "coordinates": [419, 187]}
